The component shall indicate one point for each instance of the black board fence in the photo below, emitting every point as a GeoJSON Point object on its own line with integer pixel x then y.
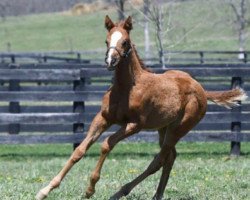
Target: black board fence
{"type": "Point", "coordinates": [55, 103]}
{"type": "Point", "coordinates": [208, 57]}
{"type": "Point", "coordinates": [86, 57]}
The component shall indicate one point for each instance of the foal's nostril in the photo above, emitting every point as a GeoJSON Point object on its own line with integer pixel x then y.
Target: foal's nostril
{"type": "Point", "coordinates": [113, 61]}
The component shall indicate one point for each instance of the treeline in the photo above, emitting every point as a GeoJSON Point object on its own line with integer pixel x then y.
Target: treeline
{"type": "Point", "coordinates": [24, 7]}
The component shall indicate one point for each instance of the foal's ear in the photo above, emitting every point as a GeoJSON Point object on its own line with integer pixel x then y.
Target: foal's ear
{"type": "Point", "coordinates": [128, 24]}
{"type": "Point", "coordinates": [108, 23]}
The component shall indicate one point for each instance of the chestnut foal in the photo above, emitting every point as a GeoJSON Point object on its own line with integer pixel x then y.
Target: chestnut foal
{"type": "Point", "coordinates": [172, 103]}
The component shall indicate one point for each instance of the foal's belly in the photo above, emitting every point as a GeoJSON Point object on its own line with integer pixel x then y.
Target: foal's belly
{"type": "Point", "coordinates": [163, 108]}
{"type": "Point", "coordinates": [161, 118]}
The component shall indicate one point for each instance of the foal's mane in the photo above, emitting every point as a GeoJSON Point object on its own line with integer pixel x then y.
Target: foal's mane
{"type": "Point", "coordinates": [143, 66]}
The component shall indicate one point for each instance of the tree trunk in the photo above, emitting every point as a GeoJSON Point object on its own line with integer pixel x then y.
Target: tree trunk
{"type": "Point", "coordinates": [242, 22]}
{"type": "Point", "coordinates": [146, 29]}
{"type": "Point", "coordinates": [120, 9]}
{"type": "Point", "coordinates": [160, 37]}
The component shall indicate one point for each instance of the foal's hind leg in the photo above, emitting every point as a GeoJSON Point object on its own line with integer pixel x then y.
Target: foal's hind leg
{"type": "Point", "coordinates": [167, 155]}
{"type": "Point", "coordinates": [153, 167]}
{"type": "Point", "coordinates": [98, 126]}
{"type": "Point", "coordinates": [167, 167]}
{"type": "Point", "coordinates": [191, 117]}
{"type": "Point", "coordinates": [162, 134]}
{"type": "Point", "coordinates": [107, 146]}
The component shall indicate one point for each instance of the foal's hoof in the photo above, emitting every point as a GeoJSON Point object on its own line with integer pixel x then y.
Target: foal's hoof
{"type": "Point", "coordinates": [40, 196]}
{"type": "Point", "coordinates": [89, 193]}
{"type": "Point", "coordinates": [116, 196]}
{"type": "Point", "coordinates": [157, 198]}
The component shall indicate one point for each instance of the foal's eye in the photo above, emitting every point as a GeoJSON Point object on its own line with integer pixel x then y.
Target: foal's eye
{"type": "Point", "coordinates": [125, 43]}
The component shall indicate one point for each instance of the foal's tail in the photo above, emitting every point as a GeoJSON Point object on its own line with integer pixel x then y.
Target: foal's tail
{"type": "Point", "coordinates": [228, 98]}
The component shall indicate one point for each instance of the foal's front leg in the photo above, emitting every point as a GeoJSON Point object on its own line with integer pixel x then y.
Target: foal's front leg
{"type": "Point", "coordinates": [107, 146]}
{"type": "Point", "coordinates": [98, 126]}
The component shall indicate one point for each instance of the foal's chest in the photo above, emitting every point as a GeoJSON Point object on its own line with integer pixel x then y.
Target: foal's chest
{"type": "Point", "coordinates": [120, 109]}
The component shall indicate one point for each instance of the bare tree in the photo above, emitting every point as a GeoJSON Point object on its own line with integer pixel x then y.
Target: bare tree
{"type": "Point", "coordinates": [239, 9]}
{"type": "Point", "coordinates": [4, 4]}
{"type": "Point", "coordinates": [146, 7]}
{"type": "Point", "coordinates": [157, 14]}
{"type": "Point", "coordinates": [120, 9]}
{"type": "Point", "coordinates": [161, 17]}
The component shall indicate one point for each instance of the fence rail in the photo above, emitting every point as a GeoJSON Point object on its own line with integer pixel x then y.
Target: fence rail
{"type": "Point", "coordinates": [172, 57]}
{"type": "Point", "coordinates": [202, 57]}
{"type": "Point", "coordinates": [46, 103]}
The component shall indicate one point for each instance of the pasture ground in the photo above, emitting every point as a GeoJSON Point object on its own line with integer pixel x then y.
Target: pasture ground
{"type": "Point", "coordinates": [193, 25]}
{"type": "Point", "coordinates": [201, 171]}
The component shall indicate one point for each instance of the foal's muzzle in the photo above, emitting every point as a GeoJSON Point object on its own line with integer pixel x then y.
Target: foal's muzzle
{"type": "Point", "coordinates": [112, 60]}
{"type": "Point", "coordinates": [112, 65]}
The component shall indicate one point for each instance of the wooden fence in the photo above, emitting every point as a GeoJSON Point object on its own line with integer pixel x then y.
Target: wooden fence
{"type": "Point", "coordinates": [171, 57]}
{"type": "Point", "coordinates": [209, 57]}
{"type": "Point", "coordinates": [55, 103]}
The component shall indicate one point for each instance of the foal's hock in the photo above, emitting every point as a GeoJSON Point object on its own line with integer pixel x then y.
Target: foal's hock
{"type": "Point", "coordinates": [171, 103]}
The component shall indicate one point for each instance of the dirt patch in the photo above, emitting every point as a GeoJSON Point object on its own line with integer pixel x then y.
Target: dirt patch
{"type": "Point", "coordinates": [83, 8]}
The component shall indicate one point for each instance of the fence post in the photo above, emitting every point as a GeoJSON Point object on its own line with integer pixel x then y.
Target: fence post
{"type": "Point", "coordinates": [14, 107]}
{"type": "Point", "coordinates": [201, 57]}
{"type": "Point", "coordinates": [45, 59]}
{"type": "Point", "coordinates": [245, 57]}
{"type": "Point", "coordinates": [78, 57]}
{"type": "Point", "coordinates": [13, 58]}
{"type": "Point", "coordinates": [236, 126]}
{"type": "Point", "coordinates": [235, 144]}
{"type": "Point", "coordinates": [78, 107]}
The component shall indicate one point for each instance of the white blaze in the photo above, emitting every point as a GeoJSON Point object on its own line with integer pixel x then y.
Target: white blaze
{"type": "Point", "coordinates": [115, 37]}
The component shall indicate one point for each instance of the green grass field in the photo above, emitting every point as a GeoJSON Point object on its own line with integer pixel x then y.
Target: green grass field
{"type": "Point", "coordinates": [194, 25]}
{"type": "Point", "coordinates": [201, 171]}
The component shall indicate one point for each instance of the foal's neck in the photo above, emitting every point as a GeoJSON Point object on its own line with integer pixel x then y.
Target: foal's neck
{"type": "Point", "coordinates": [128, 71]}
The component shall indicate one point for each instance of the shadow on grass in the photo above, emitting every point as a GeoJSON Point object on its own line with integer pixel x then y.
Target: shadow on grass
{"type": "Point", "coordinates": [208, 154]}
{"type": "Point", "coordinates": [115, 155]}
{"type": "Point", "coordinates": [183, 198]}
{"type": "Point", "coordinates": [46, 156]}
{"type": "Point", "coordinates": [137, 197]}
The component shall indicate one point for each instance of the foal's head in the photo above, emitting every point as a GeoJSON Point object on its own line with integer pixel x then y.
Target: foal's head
{"type": "Point", "coordinates": [118, 41]}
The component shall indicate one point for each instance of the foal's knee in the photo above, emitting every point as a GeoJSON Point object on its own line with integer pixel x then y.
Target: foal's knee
{"type": "Point", "coordinates": [169, 157]}
{"type": "Point", "coordinates": [77, 155]}
{"type": "Point", "coordinates": [168, 154]}
{"type": "Point", "coordinates": [155, 165]}
{"type": "Point", "coordinates": [55, 182]}
{"type": "Point", "coordinates": [94, 177]}
{"type": "Point", "coordinates": [106, 148]}
{"type": "Point", "coordinates": [174, 153]}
